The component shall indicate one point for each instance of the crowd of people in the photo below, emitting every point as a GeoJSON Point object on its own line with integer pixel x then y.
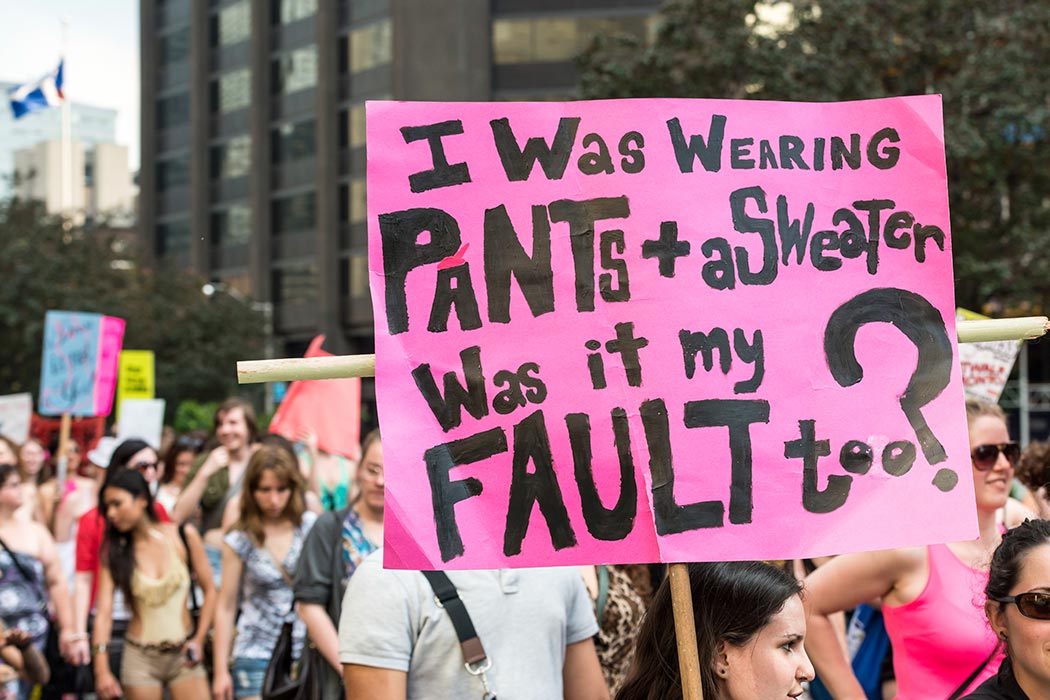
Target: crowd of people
{"type": "Point", "coordinates": [179, 570]}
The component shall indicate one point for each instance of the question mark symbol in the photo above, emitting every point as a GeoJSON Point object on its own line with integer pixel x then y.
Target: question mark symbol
{"type": "Point", "coordinates": [921, 322]}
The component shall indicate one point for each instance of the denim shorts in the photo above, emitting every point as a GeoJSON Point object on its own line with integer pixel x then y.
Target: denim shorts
{"type": "Point", "coordinates": [248, 677]}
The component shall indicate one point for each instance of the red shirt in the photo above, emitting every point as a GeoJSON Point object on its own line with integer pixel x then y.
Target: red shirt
{"type": "Point", "coordinates": [90, 532]}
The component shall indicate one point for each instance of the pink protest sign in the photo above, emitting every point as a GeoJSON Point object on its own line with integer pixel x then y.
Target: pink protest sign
{"type": "Point", "coordinates": [664, 330]}
{"type": "Point", "coordinates": [79, 364]}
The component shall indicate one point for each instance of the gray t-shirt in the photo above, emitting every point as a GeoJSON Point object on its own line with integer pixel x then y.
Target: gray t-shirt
{"type": "Point", "coordinates": [524, 617]}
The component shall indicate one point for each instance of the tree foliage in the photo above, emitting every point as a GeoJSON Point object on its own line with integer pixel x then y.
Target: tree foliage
{"type": "Point", "coordinates": [989, 60]}
{"type": "Point", "coordinates": [197, 339]}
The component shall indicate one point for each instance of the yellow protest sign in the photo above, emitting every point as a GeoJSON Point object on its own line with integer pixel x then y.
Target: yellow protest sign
{"type": "Point", "coordinates": [135, 379]}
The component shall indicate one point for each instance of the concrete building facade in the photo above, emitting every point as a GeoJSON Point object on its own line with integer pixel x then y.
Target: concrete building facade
{"type": "Point", "coordinates": [101, 187]}
{"type": "Point", "coordinates": [253, 128]}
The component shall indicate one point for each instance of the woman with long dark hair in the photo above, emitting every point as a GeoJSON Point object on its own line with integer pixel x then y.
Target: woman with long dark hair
{"type": "Point", "coordinates": [1018, 609]}
{"type": "Point", "coordinates": [750, 625]}
{"type": "Point", "coordinates": [260, 553]}
{"type": "Point", "coordinates": [148, 562]}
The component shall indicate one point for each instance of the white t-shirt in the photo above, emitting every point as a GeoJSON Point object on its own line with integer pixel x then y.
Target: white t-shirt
{"type": "Point", "coordinates": [525, 619]}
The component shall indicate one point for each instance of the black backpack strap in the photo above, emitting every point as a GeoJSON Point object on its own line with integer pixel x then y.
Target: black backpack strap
{"type": "Point", "coordinates": [448, 597]}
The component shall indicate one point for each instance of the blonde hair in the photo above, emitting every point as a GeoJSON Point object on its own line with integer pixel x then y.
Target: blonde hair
{"type": "Point", "coordinates": [283, 465]}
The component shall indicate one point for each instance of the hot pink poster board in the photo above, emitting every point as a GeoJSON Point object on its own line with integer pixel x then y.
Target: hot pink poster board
{"type": "Point", "coordinates": [329, 408]}
{"type": "Point", "coordinates": [664, 330]}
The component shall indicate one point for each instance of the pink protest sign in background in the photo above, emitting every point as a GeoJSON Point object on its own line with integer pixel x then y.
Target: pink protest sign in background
{"type": "Point", "coordinates": [664, 330]}
{"type": "Point", "coordinates": [79, 365]}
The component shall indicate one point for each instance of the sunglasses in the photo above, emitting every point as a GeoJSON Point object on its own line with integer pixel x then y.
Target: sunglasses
{"type": "Point", "coordinates": [985, 456]}
{"type": "Point", "coordinates": [1034, 604]}
{"type": "Point", "coordinates": [143, 466]}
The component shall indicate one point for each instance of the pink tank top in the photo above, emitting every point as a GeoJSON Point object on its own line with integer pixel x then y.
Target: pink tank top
{"type": "Point", "coordinates": [942, 636]}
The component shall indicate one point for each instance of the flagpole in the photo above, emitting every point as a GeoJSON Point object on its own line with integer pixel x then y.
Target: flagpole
{"type": "Point", "coordinates": [67, 137]}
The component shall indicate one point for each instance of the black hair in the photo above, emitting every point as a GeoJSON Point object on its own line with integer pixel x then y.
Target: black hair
{"type": "Point", "coordinates": [119, 549]}
{"type": "Point", "coordinates": [126, 450]}
{"type": "Point", "coordinates": [732, 601]}
{"type": "Point", "coordinates": [1010, 556]}
{"type": "Point", "coordinates": [6, 470]}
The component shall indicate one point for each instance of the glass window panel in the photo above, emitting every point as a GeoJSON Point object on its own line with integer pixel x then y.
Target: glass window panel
{"type": "Point", "coordinates": [293, 10]}
{"type": "Point", "coordinates": [231, 227]}
{"type": "Point", "coordinates": [555, 39]}
{"type": "Point", "coordinates": [174, 47]}
{"type": "Point", "coordinates": [173, 110]}
{"type": "Point", "coordinates": [366, 9]}
{"type": "Point", "coordinates": [512, 40]}
{"type": "Point", "coordinates": [294, 213]}
{"type": "Point", "coordinates": [295, 70]}
{"type": "Point", "coordinates": [173, 237]}
{"type": "Point", "coordinates": [359, 275]}
{"type": "Point", "coordinates": [232, 91]}
{"type": "Point", "coordinates": [295, 284]}
{"type": "Point", "coordinates": [358, 201]}
{"type": "Point", "coordinates": [293, 141]}
{"type": "Point", "coordinates": [173, 172]}
{"type": "Point", "coordinates": [234, 24]}
{"type": "Point", "coordinates": [370, 46]}
{"type": "Point", "coordinates": [231, 159]}
{"type": "Point", "coordinates": [357, 125]}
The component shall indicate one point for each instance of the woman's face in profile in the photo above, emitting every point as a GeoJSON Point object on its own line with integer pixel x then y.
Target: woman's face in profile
{"type": "Point", "coordinates": [773, 663]}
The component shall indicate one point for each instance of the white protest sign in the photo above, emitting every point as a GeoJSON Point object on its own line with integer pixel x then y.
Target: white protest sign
{"type": "Point", "coordinates": [143, 419]}
{"type": "Point", "coordinates": [16, 411]}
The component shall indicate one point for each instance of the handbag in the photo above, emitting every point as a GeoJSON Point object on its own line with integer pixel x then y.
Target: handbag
{"type": "Point", "coordinates": [280, 683]}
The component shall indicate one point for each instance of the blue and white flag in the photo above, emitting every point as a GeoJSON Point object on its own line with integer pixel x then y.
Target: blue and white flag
{"type": "Point", "coordinates": [41, 94]}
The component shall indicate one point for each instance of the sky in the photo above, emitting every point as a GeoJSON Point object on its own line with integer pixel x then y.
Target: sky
{"type": "Point", "coordinates": [102, 61]}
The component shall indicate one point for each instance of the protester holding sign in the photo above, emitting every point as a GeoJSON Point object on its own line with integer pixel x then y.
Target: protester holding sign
{"type": "Point", "coordinates": [148, 562]}
{"type": "Point", "coordinates": [1018, 609]}
{"type": "Point", "coordinates": [750, 626]}
{"type": "Point", "coordinates": [939, 635]}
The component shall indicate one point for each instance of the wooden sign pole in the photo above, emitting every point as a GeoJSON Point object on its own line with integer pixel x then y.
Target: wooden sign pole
{"type": "Point", "coordinates": [65, 427]}
{"type": "Point", "coordinates": [258, 371]}
{"type": "Point", "coordinates": [685, 631]}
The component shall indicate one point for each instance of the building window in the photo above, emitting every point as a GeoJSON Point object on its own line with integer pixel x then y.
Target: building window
{"type": "Point", "coordinates": [552, 39]}
{"type": "Point", "coordinates": [367, 9]}
{"type": "Point", "coordinates": [294, 213]}
{"type": "Point", "coordinates": [295, 284]}
{"type": "Point", "coordinates": [358, 201]}
{"type": "Point", "coordinates": [174, 47]}
{"type": "Point", "coordinates": [231, 91]}
{"type": "Point", "coordinates": [231, 159]}
{"type": "Point", "coordinates": [173, 237]}
{"type": "Point", "coordinates": [231, 227]}
{"type": "Point", "coordinates": [89, 168]}
{"type": "Point", "coordinates": [358, 264]}
{"type": "Point", "coordinates": [293, 141]}
{"type": "Point", "coordinates": [173, 172]}
{"type": "Point", "coordinates": [295, 70]}
{"type": "Point", "coordinates": [232, 25]}
{"type": "Point", "coordinates": [371, 46]}
{"type": "Point", "coordinates": [357, 125]}
{"type": "Point", "coordinates": [173, 110]}
{"type": "Point", "coordinates": [288, 11]}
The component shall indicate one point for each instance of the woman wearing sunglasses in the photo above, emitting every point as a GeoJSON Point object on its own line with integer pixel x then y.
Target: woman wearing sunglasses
{"type": "Point", "coordinates": [942, 646]}
{"type": "Point", "coordinates": [1018, 609]}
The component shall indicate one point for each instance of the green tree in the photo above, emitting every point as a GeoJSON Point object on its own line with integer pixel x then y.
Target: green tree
{"type": "Point", "coordinates": [197, 340]}
{"type": "Point", "coordinates": [989, 60]}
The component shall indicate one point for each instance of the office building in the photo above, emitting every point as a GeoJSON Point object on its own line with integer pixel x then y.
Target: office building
{"type": "Point", "coordinates": [253, 128]}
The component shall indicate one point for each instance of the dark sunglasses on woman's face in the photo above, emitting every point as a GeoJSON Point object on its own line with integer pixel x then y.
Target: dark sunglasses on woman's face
{"type": "Point", "coordinates": [1034, 604]}
{"type": "Point", "coordinates": [985, 456]}
{"type": "Point", "coordinates": [143, 466]}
